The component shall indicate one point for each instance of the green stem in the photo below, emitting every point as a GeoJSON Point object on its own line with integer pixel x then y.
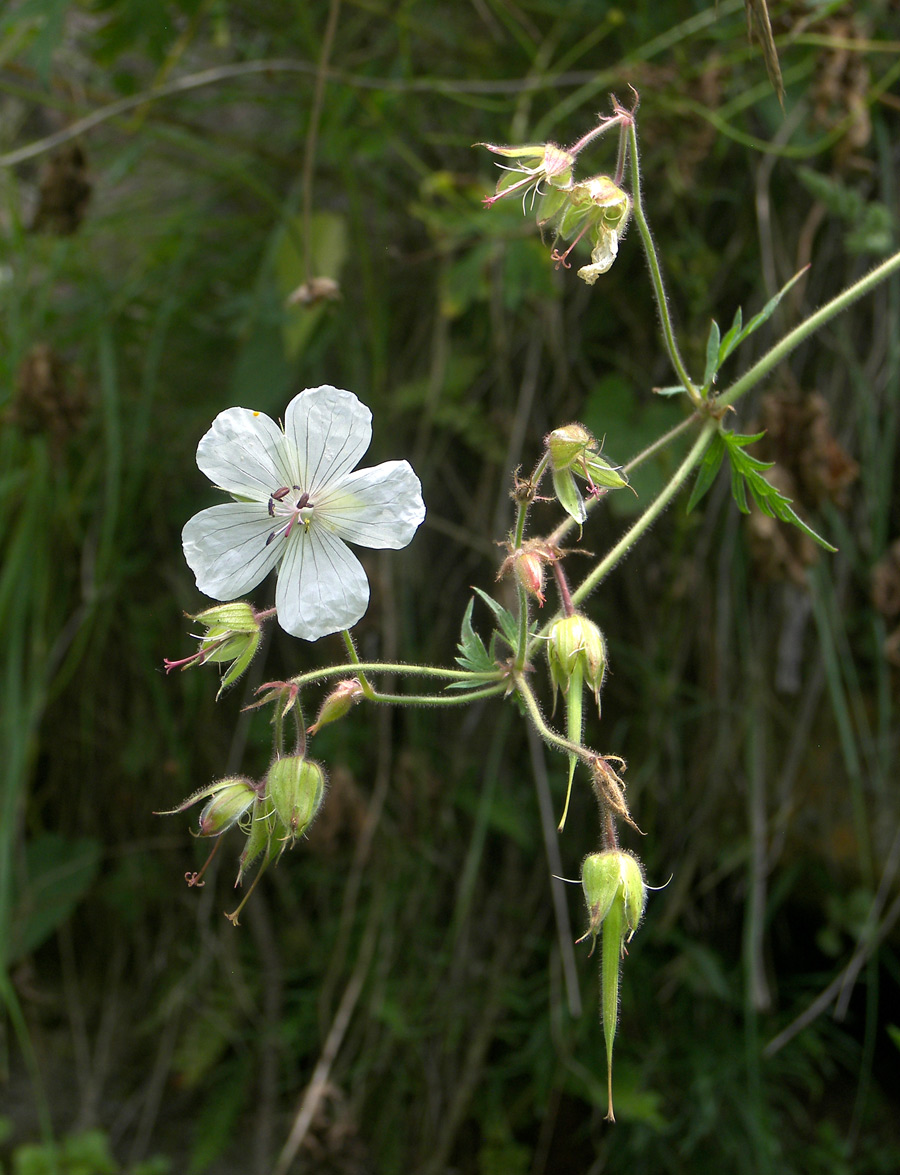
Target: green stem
{"type": "Point", "coordinates": [646, 520]}
{"type": "Point", "coordinates": [660, 443]}
{"type": "Point", "coordinates": [656, 276]}
{"type": "Point", "coordinates": [521, 593]}
{"type": "Point", "coordinates": [460, 699]}
{"type": "Point", "coordinates": [802, 332]}
{"type": "Point", "coordinates": [278, 730]}
{"type": "Point", "coordinates": [408, 699]}
{"type": "Point", "coordinates": [550, 737]}
{"type": "Point", "coordinates": [354, 658]}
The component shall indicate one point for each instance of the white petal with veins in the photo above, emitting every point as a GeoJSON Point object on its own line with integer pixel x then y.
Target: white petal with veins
{"type": "Point", "coordinates": [305, 502]}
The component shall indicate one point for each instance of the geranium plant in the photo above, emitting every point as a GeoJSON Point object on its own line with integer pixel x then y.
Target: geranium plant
{"type": "Point", "coordinates": [298, 501]}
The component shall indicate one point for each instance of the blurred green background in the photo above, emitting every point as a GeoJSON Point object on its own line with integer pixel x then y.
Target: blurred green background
{"type": "Point", "coordinates": [415, 948]}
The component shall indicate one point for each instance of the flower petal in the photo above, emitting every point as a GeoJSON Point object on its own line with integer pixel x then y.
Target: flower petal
{"type": "Point", "coordinates": [244, 453]}
{"type": "Point", "coordinates": [378, 507]}
{"type": "Point", "coordinates": [322, 587]}
{"type": "Point", "coordinates": [330, 431]}
{"type": "Point", "coordinates": [225, 547]}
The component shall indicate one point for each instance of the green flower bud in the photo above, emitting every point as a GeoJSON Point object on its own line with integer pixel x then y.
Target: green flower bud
{"type": "Point", "coordinates": [344, 695]}
{"type": "Point", "coordinates": [566, 445]}
{"type": "Point", "coordinates": [576, 653]}
{"type": "Point", "coordinates": [295, 787]}
{"type": "Point", "coordinates": [573, 450]}
{"type": "Point", "coordinates": [616, 893]}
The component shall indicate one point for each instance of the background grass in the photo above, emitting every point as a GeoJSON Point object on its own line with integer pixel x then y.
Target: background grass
{"type": "Point", "coordinates": [753, 693]}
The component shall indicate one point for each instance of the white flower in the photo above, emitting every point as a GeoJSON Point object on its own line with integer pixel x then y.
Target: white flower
{"type": "Point", "coordinates": [297, 504]}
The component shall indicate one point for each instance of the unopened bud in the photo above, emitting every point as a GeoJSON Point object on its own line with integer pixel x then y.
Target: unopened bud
{"type": "Point", "coordinates": [527, 564]}
{"type": "Point", "coordinates": [567, 444]}
{"type": "Point", "coordinates": [344, 695]}
{"type": "Point", "coordinates": [574, 450]}
{"type": "Point", "coordinates": [295, 787]}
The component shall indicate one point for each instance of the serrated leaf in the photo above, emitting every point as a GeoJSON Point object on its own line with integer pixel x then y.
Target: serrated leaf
{"type": "Point", "coordinates": [505, 618]}
{"type": "Point", "coordinates": [739, 441]}
{"type": "Point", "coordinates": [712, 354]}
{"type": "Point", "coordinates": [472, 653]}
{"type": "Point", "coordinates": [709, 467]}
{"type": "Point", "coordinates": [738, 488]}
{"type": "Point", "coordinates": [747, 474]}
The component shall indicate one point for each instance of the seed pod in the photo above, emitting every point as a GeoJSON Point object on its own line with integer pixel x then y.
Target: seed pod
{"type": "Point", "coordinates": [616, 894]}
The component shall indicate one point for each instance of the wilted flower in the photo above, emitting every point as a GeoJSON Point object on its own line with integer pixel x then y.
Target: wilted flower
{"type": "Point", "coordinates": [545, 162]}
{"type": "Point", "coordinates": [297, 504]}
{"type": "Point", "coordinates": [603, 255]}
{"type": "Point", "coordinates": [233, 633]}
{"type": "Point", "coordinates": [599, 206]}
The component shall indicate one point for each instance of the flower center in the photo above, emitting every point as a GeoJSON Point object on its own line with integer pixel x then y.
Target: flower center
{"type": "Point", "coordinates": [290, 503]}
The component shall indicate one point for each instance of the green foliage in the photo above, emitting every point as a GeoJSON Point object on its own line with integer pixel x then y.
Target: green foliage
{"type": "Point", "coordinates": [472, 653]}
{"type": "Point", "coordinates": [747, 474]}
{"type": "Point", "coordinates": [79, 1154]}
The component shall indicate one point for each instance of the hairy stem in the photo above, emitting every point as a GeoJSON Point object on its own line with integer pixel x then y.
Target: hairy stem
{"type": "Point", "coordinates": [656, 276]}
{"type": "Point", "coordinates": [646, 520]}
{"type": "Point", "coordinates": [550, 737]}
{"type": "Point", "coordinates": [806, 328]}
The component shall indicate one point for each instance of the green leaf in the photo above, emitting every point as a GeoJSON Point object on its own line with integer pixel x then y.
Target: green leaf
{"type": "Point", "coordinates": [472, 653]}
{"type": "Point", "coordinates": [747, 474]}
{"type": "Point", "coordinates": [712, 354]}
{"type": "Point", "coordinates": [728, 344]}
{"type": "Point", "coordinates": [737, 333]}
{"type": "Point", "coordinates": [709, 467]}
{"type": "Point", "coordinates": [505, 618]}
